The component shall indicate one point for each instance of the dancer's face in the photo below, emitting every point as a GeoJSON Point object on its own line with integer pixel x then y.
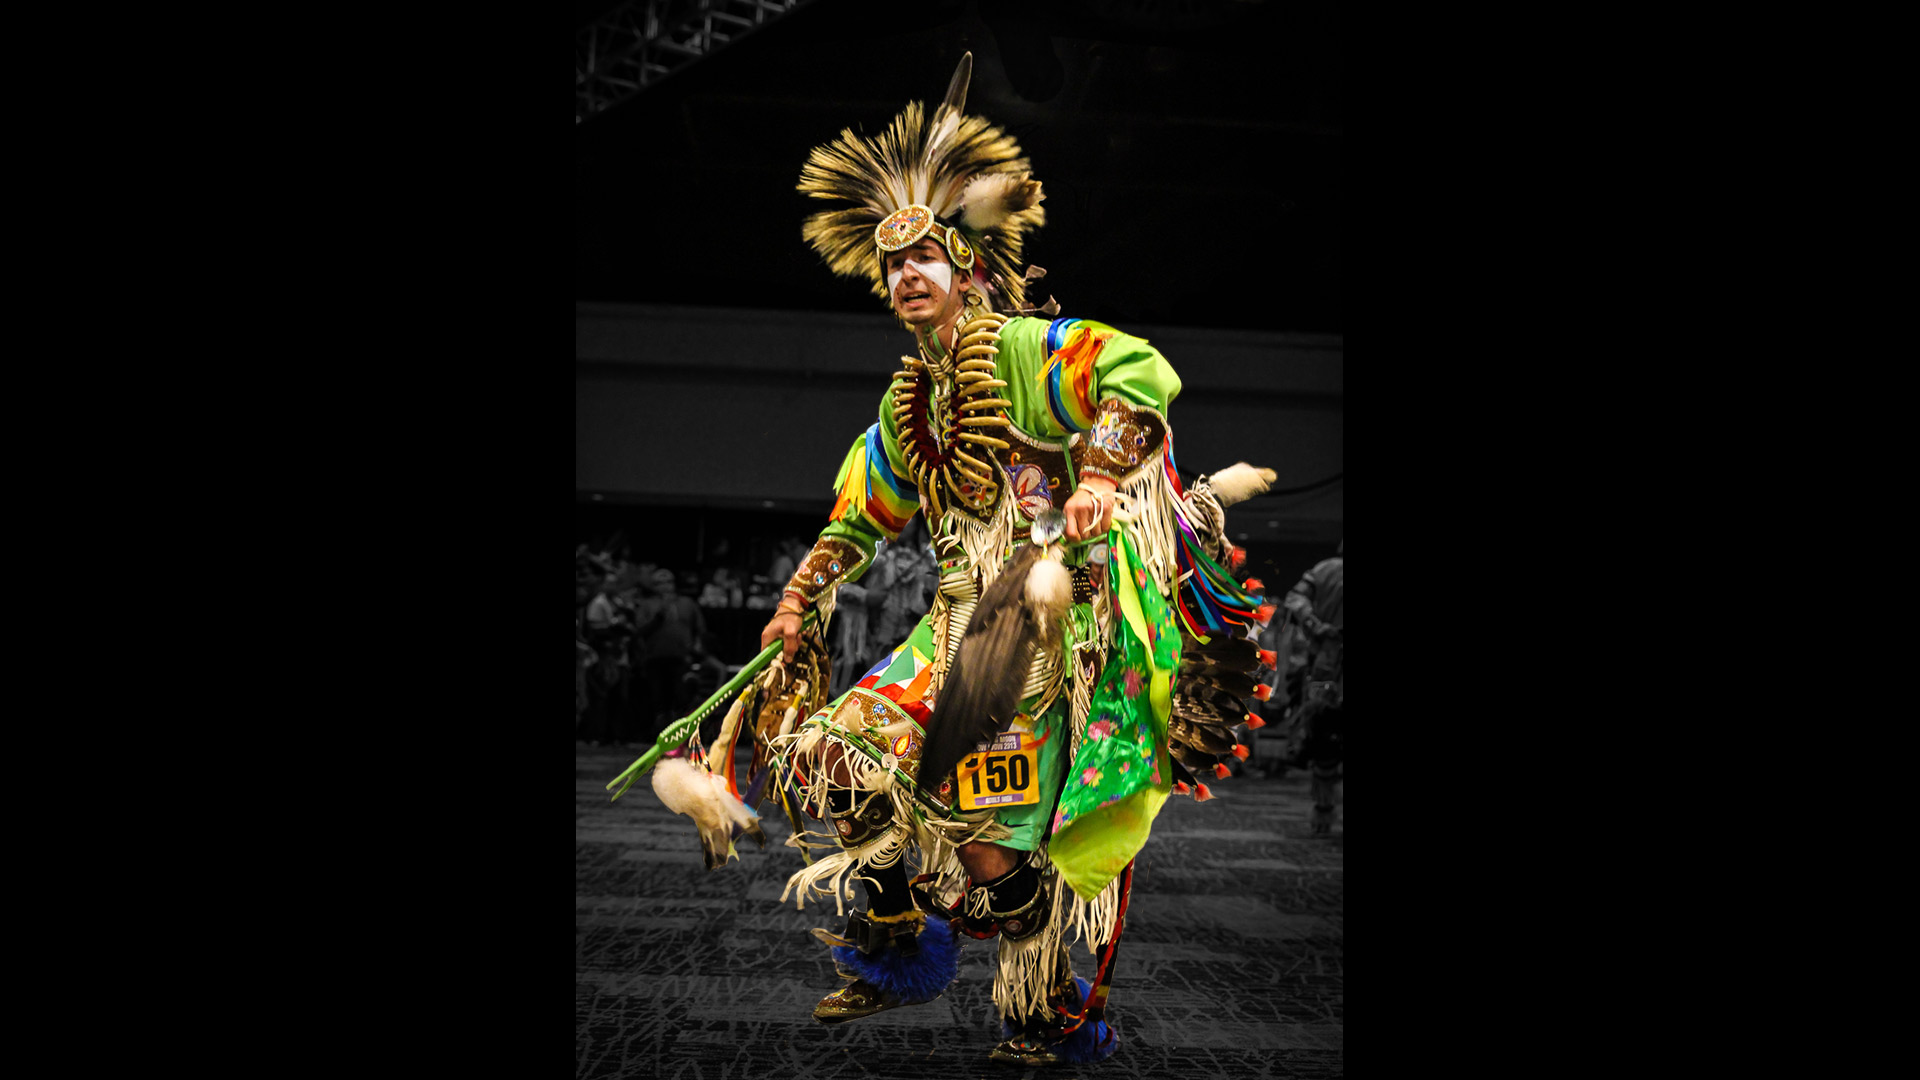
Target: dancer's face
{"type": "Point", "coordinates": [923, 286]}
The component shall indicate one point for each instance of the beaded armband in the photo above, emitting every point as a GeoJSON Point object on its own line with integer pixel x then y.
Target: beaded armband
{"type": "Point", "coordinates": [832, 559]}
{"type": "Point", "coordinates": [1125, 438]}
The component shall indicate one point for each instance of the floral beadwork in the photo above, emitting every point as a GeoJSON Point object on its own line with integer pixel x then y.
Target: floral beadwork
{"type": "Point", "coordinates": [1121, 438]}
{"type": "Point", "coordinates": [1106, 432]}
{"type": "Point", "coordinates": [1029, 485]}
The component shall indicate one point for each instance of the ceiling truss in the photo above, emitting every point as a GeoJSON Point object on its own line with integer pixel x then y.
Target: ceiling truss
{"type": "Point", "coordinates": [643, 41]}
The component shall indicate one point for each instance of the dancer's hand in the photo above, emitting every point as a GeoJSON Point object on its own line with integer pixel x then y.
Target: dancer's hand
{"type": "Point", "coordinates": [784, 625]}
{"type": "Point", "coordinates": [1089, 509]}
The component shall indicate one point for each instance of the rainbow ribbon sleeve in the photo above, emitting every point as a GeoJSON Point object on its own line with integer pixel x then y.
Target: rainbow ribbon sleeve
{"type": "Point", "coordinates": [870, 492]}
{"type": "Point", "coordinates": [1073, 349]}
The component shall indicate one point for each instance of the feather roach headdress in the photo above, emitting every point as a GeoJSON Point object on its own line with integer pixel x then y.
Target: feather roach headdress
{"type": "Point", "coordinates": [956, 178]}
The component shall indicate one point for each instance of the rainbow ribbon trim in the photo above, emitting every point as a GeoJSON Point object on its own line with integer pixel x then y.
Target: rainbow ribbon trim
{"type": "Point", "coordinates": [869, 487]}
{"type": "Point", "coordinates": [1209, 600]}
{"type": "Point", "coordinates": [1073, 345]}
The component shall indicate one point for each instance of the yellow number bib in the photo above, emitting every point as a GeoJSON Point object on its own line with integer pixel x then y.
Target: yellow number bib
{"type": "Point", "coordinates": [1004, 774]}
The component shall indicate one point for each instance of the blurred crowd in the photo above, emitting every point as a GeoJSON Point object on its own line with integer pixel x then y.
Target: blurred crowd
{"type": "Point", "coordinates": [651, 643]}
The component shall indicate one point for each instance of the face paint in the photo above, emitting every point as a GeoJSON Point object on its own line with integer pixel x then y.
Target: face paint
{"type": "Point", "coordinates": [939, 273]}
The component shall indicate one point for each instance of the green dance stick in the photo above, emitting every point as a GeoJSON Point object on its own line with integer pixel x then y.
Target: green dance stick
{"type": "Point", "coordinates": [678, 732]}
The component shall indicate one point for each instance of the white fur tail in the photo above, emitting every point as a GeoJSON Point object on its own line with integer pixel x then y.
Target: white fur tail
{"type": "Point", "coordinates": [703, 796]}
{"type": "Point", "coordinates": [1239, 482]}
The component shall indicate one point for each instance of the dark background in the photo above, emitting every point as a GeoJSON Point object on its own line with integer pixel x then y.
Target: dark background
{"type": "Point", "coordinates": [1500, 193]}
{"type": "Point", "coordinates": [1191, 152]}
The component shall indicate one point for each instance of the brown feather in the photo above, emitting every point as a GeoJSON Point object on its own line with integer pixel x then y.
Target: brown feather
{"type": "Point", "coordinates": [1230, 653]}
{"type": "Point", "coordinates": [982, 689]}
{"type": "Point", "coordinates": [1237, 684]}
{"type": "Point", "coordinates": [1192, 758]}
{"type": "Point", "coordinates": [1181, 775]}
{"type": "Point", "coordinates": [1203, 737]}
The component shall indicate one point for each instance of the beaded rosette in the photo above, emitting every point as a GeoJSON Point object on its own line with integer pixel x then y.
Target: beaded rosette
{"type": "Point", "coordinates": [905, 226]}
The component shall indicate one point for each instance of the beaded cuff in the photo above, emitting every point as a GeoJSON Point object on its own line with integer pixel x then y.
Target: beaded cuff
{"type": "Point", "coordinates": [832, 559]}
{"type": "Point", "coordinates": [1125, 439]}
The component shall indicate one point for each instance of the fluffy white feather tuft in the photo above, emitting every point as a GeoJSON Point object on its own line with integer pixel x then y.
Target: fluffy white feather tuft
{"type": "Point", "coordinates": [1239, 482]}
{"type": "Point", "coordinates": [1049, 588]}
{"type": "Point", "coordinates": [703, 796]}
{"type": "Point", "coordinates": [989, 200]}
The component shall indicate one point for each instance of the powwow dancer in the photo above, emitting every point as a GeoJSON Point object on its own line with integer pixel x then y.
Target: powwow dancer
{"type": "Point", "coordinates": [1079, 664]}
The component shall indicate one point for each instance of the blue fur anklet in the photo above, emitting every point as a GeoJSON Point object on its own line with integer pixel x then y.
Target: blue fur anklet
{"type": "Point", "coordinates": [909, 979]}
{"type": "Point", "coordinates": [1090, 1043]}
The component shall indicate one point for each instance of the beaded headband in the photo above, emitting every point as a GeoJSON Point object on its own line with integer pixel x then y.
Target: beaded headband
{"type": "Point", "coordinates": [906, 226]}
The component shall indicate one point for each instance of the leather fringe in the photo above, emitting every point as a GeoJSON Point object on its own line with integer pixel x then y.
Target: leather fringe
{"type": "Point", "coordinates": [1027, 971]}
{"type": "Point", "coordinates": [1156, 532]}
{"type": "Point", "coordinates": [1092, 920]}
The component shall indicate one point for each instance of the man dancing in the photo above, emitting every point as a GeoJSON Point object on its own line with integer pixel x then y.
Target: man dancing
{"type": "Point", "coordinates": [1018, 744]}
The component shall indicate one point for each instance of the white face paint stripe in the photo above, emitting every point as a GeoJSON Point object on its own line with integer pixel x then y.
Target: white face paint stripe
{"type": "Point", "coordinates": [939, 273]}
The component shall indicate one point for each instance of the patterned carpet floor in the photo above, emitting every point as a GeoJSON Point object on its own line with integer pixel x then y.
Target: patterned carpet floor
{"type": "Point", "coordinates": [1231, 965]}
